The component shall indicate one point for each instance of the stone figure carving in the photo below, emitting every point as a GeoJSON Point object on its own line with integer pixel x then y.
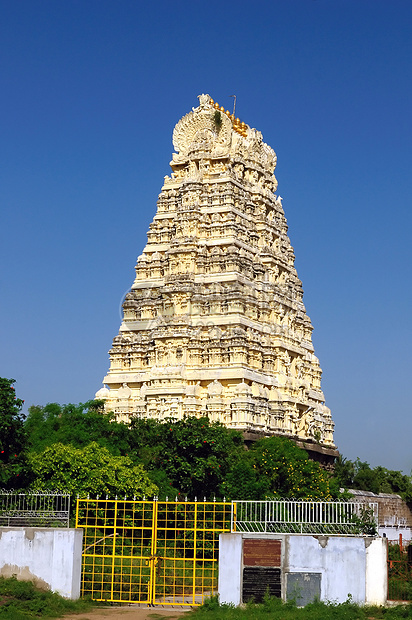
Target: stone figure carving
{"type": "Point", "coordinates": [298, 368]}
{"type": "Point", "coordinates": [203, 100]}
{"type": "Point", "coordinates": [304, 421]}
{"type": "Point", "coordinates": [190, 390]}
{"type": "Point", "coordinates": [255, 389]}
{"type": "Point", "coordinates": [124, 392]}
{"type": "Point", "coordinates": [143, 390]}
{"type": "Point", "coordinates": [243, 388]}
{"type": "Point", "coordinates": [215, 388]}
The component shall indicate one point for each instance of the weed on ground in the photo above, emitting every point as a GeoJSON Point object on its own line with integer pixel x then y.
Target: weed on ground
{"type": "Point", "coordinates": [275, 609]}
{"type": "Point", "coordinates": [21, 600]}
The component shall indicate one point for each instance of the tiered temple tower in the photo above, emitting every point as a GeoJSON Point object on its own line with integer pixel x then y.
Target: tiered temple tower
{"type": "Point", "coordinates": [214, 323]}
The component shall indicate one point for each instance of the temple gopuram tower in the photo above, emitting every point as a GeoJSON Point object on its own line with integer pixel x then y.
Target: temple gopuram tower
{"type": "Point", "coordinates": [214, 323]}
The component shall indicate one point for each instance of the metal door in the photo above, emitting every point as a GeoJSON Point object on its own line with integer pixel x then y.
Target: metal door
{"type": "Point", "coordinates": [151, 552]}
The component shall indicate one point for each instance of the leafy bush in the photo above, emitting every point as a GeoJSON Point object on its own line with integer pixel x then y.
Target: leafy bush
{"type": "Point", "coordinates": [90, 470]}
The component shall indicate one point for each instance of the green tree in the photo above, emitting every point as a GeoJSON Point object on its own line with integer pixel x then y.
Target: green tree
{"type": "Point", "coordinates": [77, 425]}
{"type": "Point", "coordinates": [90, 470]}
{"type": "Point", "coordinates": [396, 482]}
{"type": "Point", "coordinates": [361, 476]}
{"type": "Point", "coordinates": [186, 457]}
{"type": "Point", "coordinates": [243, 482]}
{"type": "Point", "coordinates": [12, 436]}
{"type": "Point", "coordinates": [282, 469]}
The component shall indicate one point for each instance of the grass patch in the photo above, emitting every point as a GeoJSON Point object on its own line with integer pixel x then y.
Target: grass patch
{"type": "Point", "coordinates": [21, 600]}
{"type": "Point", "coordinates": [275, 609]}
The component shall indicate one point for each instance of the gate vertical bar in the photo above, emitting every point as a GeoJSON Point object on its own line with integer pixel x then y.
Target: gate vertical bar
{"type": "Point", "coordinates": [234, 514]}
{"type": "Point", "coordinates": [153, 563]}
{"type": "Point", "coordinates": [194, 557]}
{"type": "Point", "coordinates": [113, 547]}
{"type": "Point", "coordinates": [77, 513]}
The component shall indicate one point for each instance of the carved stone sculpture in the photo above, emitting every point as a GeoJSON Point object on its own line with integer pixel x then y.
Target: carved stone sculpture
{"type": "Point", "coordinates": [214, 323]}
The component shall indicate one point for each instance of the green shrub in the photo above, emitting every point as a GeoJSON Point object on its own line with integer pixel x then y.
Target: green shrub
{"type": "Point", "coordinates": [21, 600]}
{"type": "Point", "coordinates": [274, 609]}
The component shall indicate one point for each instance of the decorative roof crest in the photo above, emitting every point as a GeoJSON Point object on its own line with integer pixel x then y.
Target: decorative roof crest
{"type": "Point", "coordinates": [210, 130]}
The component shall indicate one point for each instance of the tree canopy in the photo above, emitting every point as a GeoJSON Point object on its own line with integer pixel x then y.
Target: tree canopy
{"type": "Point", "coordinates": [92, 470]}
{"type": "Point", "coordinates": [276, 467]}
{"type": "Point", "coordinates": [12, 436]}
{"type": "Point", "coordinates": [193, 457]}
{"type": "Point", "coordinates": [360, 475]}
{"type": "Point", "coordinates": [189, 457]}
{"type": "Point", "coordinates": [84, 450]}
{"type": "Point", "coordinates": [77, 425]}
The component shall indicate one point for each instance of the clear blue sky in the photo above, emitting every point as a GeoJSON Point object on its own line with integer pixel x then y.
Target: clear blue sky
{"type": "Point", "coordinates": [90, 93]}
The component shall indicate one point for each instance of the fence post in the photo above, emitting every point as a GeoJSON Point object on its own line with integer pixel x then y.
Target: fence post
{"type": "Point", "coordinates": [153, 552]}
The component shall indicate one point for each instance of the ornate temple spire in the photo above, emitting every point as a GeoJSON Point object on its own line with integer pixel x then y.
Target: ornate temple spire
{"type": "Point", "coordinates": [214, 323]}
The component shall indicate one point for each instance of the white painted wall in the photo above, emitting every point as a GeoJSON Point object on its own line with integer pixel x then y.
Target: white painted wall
{"type": "Point", "coordinates": [230, 568]}
{"type": "Point", "coordinates": [50, 557]}
{"type": "Point", "coordinates": [376, 572]}
{"type": "Point", "coordinates": [349, 565]}
{"type": "Point", "coordinates": [392, 533]}
{"type": "Point", "coordinates": [340, 560]}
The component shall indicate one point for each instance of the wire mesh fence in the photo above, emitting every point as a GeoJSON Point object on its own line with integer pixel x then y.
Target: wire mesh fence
{"type": "Point", "coordinates": [305, 517]}
{"type": "Point", "coordinates": [34, 509]}
{"type": "Point", "coordinates": [399, 570]}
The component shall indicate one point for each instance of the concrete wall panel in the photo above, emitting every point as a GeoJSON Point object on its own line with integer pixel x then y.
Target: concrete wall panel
{"type": "Point", "coordinates": [376, 572]}
{"type": "Point", "coordinates": [341, 560]}
{"type": "Point", "coordinates": [230, 568]}
{"type": "Point", "coordinates": [348, 566]}
{"type": "Point", "coordinates": [50, 557]}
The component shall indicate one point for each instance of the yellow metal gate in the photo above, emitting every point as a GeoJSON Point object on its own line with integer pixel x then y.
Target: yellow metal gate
{"type": "Point", "coordinates": [151, 552]}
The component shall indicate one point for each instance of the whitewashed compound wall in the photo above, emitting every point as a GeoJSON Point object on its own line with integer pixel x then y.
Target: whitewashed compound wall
{"type": "Point", "coordinates": [49, 557]}
{"type": "Point", "coordinates": [329, 567]}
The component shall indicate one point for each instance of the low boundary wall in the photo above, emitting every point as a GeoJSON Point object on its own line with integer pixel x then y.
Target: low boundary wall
{"type": "Point", "coordinates": [49, 557]}
{"type": "Point", "coordinates": [303, 567]}
{"type": "Point", "coordinates": [395, 515]}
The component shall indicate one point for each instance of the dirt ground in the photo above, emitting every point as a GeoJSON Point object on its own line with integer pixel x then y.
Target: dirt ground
{"type": "Point", "coordinates": [131, 612]}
